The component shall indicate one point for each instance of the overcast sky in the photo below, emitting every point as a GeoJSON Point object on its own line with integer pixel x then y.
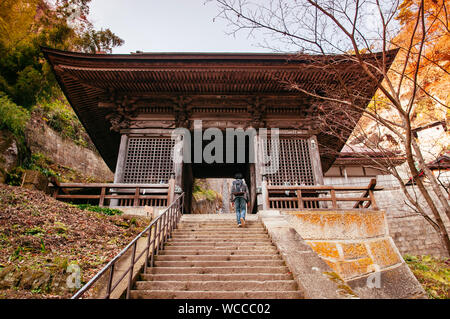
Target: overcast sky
{"type": "Point", "coordinates": [168, 26]}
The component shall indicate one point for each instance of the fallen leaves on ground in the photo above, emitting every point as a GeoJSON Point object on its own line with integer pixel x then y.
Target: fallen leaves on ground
{"type": "Point", "coordinates": [41, 234]}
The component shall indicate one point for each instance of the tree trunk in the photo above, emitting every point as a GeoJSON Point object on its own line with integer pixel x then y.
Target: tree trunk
{"type": "Point", "coordinates": [434, 183]}
{"type": "Point", "coordinates": [424, 191]}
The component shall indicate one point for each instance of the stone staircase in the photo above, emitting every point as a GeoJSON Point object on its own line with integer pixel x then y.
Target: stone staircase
{"type": "Point", "coordinates": [208, 257]}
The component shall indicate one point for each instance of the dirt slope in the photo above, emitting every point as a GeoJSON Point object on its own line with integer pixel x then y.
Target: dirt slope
{"type": "Point", "coordinates": [40, 237]}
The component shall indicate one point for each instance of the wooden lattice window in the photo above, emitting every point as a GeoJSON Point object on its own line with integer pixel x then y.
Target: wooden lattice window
{"type": "Point", "coordinates": [148, 160]}
{"type": "Point", "coordinates": [294, 161]}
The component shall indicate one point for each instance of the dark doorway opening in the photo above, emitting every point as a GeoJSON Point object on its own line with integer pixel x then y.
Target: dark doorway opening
{"type": "Point", "coordinates": [222, 169]}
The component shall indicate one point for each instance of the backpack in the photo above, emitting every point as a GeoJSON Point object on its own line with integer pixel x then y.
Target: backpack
{"type": "Point", "coordinates": [238, 189]}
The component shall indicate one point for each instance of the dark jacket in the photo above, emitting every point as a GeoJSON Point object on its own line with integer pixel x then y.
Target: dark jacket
{"type": "Point", "coordinates": [245, 196]}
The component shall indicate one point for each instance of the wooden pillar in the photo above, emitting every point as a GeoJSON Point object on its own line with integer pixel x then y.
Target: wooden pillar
{"type": "Point", "coordinates": [178, 162]}
{"type": "Point", "coordinates": [171, 190]}
{"type": "Point", "coordinates": [120, 165]}
{"type": "Point", "coordinates": [252, 187]}
{"type": "Point", "coordinates": [315, 160]}
{"type": "Point", "coordinates": [316, 166]}
{"type": "Point", "coordinates": [258, 177]}
{"type": "Point", "coordinates": [265, 194]}
{"type": "Point", "coordinates": [188, 182]}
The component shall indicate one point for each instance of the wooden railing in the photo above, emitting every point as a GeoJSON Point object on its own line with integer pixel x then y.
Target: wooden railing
{"type": "Point", "coordinates": [318, 197]}
{"type": "Point", "coordinates": [156, 195]}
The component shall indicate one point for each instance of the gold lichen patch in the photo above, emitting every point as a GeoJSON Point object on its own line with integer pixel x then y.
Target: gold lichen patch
{"type": "Point", "coordinates": [353, 251]}
{"type": "Point", "coordinates": [333, 265]}
{"type": "Point", "coordinates": [356, 267]}
{"type": "Point", "coordinates": [383, 253]}
{"type": "Point", "coordinates": [374, 224]}
{"type": "Point", "coordinates": [325, 249]}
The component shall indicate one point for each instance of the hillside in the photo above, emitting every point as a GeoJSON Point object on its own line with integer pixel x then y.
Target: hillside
{"type": "Point", "coordinates": [40, 237]}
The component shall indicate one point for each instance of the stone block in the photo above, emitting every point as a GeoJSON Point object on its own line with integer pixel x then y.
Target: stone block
{"type": "Point", "coordinates": [384, 253]}
{"type": "Point", "coordinates": [354, 268]}
{"type": "Point", "coordinates": [312, 274]}
{"type": "Point", "coordinates": [314, 225]}
{"type": "Point", "coordinates": [393, 283]}
{"type": "Point", "coordinates": [325, 249]}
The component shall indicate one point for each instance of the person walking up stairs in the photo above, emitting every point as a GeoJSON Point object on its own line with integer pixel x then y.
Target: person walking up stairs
{"type": "Point", "coordinates": [239, 198]}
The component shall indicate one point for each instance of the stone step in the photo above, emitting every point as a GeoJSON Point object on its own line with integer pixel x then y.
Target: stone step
{"type": "Point", "coordinates": [220, 240]}
{"type": "Point", "coordinates": [237, 231]}
{"type": "Point", "coordinates": [215, 257]}
{"type": "Point", "coordinates": [219, 270]}
{"type": "Point", "coordinates": [219, 237]}
{"type": "Point", "coordinates": [199, 252]}
{"type": "Point", "coordinates": [185, 225]}
{"type": "Point", "coordinates": [231, 263]}
{"type": "Point", "coordinates": [235, 248]}
{"type": "Point", "coordinates": [215, 245]}
{"type": "Point", "coordinates": [215, 277]}
{"type": "Point", "coordinates": [159, 294]}
{"type": "Point", "coordinates": [231, 224]}
{"type": "Point", "coordinates": [234, 228]}
{"type": "Point", "coordinates": [242, 285]}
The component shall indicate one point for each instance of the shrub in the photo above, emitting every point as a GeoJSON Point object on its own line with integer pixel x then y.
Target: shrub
{"type": "Point", "coordinates": [98, 209]}
{"type": "Point", "coordinates": [60, 117]}
{"type": "Point", "coordinates": [13, 117]}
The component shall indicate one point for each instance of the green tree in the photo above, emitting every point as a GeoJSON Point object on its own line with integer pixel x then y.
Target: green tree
{"type": "Point", "coordinates": [25, 26]}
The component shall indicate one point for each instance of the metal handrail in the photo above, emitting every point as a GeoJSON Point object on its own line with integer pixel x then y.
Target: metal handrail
{"type": "Point", "coordinates": [163, 226]}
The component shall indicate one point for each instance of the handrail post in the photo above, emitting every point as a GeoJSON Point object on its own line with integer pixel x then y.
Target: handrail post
{"type": "Point", "coordinates": [136, 197]}
{"type": "Point", "coordinates": [333, 198]}
{"type": "Point", "coordinates": [111, 275]}
{"type": "Point", "coordinates": [158, 230]}
{"type": "Point", "coordinates": [102, 197]}
{"type": "Point", "coordinates": [372, 184]}
{"type": "Point", "coordinates": [131, 269]}
{"type": "Point", "coordinates": [153, 245]}
{"type": "Point", "coordinates": [300, 198]}
{"type": "Point", "coordinates": [147, 248]}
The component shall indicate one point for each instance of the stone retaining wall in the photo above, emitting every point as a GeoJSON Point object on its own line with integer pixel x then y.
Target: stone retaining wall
{"type": "Point", "coordinates": [42, 139]}
{"type": "Point", "coordinates": [411, 233]}
{"type": "Point", "coordinates": [357, 246]}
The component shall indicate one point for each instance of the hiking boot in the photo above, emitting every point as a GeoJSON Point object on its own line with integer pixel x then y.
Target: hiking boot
{"type": "Point", "coordinates": [243, 222]}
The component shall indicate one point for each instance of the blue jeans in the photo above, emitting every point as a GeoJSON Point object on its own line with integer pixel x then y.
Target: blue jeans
{"type": "Point", "coordinates": [240, 205]}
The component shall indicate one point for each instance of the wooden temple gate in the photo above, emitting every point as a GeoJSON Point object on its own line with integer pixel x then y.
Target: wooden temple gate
{"type": "Point", "coordinates": [131, 104]}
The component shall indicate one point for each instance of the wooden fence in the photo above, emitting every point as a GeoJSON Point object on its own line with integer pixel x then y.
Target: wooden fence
{"type": "Point", "coordinates": [105, 194]}
{"type": "Point", "coordinates": [318, 197]}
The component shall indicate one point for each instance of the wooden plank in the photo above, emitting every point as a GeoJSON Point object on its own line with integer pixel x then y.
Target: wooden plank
{"type": "Point", "coordinates": [300, 199]}
{"type": "Point", "coordinates": [321, 187]}
{"type": "Point", "coordinates": [102, 197]}
{"type": "Point", "coordinates": [111, 185]}
{"type": "Point", "coordinates": [136, 197]}
{"type": "Point", "coordinates": [333, 198]}
{"type": "Point", "coordinates": [320, 199]}
{"type": "Point", "coordinates": [315, 160]}
{"type": "Point", "coordinates": [171, 191]}
{"type": "Point", "coordinates": [370, 187]}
